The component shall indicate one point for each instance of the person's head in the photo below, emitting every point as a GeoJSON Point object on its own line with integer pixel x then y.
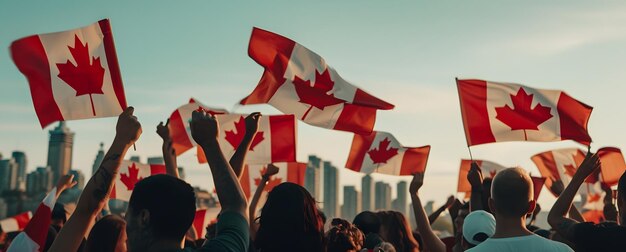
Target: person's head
{"type": "Point", "coordinates": [621, 199]}
{"type": "Point", "coordinates": [343, 237]}
{"type": "Point", "coordinates": [289, 221]}
{"type": "Point", "coordinates": [395, 229]}
{"type": "Point", "coordinates": [59, 216]}
{"type": "Point", "coordinates": [368, 222]}
{"type": "Point", "coordinates": [477, 227]}
{"type": "Point", "coordinates": [384, 247]}
{"type": "Point", "coordinates": [512, 194]}
{"type": "Point", "coordinates": [107, 235]}
{"type": "Point", "coordinates": [161, 208]}
{"type": "Point", "coordinates": [460, 217]}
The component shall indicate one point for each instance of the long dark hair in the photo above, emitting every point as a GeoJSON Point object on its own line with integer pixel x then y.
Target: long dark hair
{"type": "Point", "coordinates": [290, 221]}
{"type": "Point", "coordinates": [397, 231]}
{"type": "Point", "coordinates": [105, 234]}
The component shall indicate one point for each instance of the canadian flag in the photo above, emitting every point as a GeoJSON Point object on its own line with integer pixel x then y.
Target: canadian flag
{"type": "Point", "coordinates": [275, 140]}
{"type": "Point", "coordinates": [499, 112]}
{"type": "Point", "coordinates": [287, 172]}
{"type": "Point", "coordinates": [562, 164]}
{"type": "Point", "coordinates": [538, 183]}
{"type": "Point", "coordinates": [380, 152]}
{"type": "Point", "coordinates": [36, 231]}
{"type": "Point", "coordinates": [203, 218]}
{"type": "Point", "coordinates": [298, 81]}
{"type": "Point", "coordinates": [72, 74]}
{"type": "Point", "coordinates": [130, 173]}
{"type": "Point", "coordinates": [489, 170]}
{"type": "Point", "coordinates": [179, 124]}
{"type": "Point", "coordinates": [16, 223]}
{"type": "Point", "coordinates": [613, 165]}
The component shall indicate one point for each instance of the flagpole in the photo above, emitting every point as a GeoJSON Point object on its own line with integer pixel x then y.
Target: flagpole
{"type": "Point", "coordinates": [470, 152]}
{"type": "Point", "coordinates": [456, 79]}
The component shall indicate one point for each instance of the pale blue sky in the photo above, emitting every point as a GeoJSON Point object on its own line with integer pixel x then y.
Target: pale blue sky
{"type": "Point", "coordinates": [406, 52]}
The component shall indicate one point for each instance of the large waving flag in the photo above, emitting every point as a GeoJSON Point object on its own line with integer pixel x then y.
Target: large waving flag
{"type": "Point", "coordinates": [203, 218]}
{"type": "Point", "coordinates": [287, 172]}
{"type": "Point", "coordinates": [489, 170]}
{"type": "Point", "coordinates": [36, 231]}
{"type": "Point", "coordinates": [380, 152]}
{"type": "Point", "coordinates": [130, 173]}
{"type": "Point", "coordinates": [15, 223]}
{"type": "Point", "coordinates": [613, 165]}
{"type": "Point", "coordinates": [275, 140]}
{"type": "Point", "coordinates": [179, 124]}
{"type": "Point", "coordinates": [499, 112]}
{"type": "Point", "coordinates": [298, 81]}
{"type": "Point", "coordinates": [72, 74]}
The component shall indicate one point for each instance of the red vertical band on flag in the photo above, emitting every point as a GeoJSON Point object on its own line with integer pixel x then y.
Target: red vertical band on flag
{"type": "Point", "coordinates": [296, 172]}
{"type": "Point", "coordinates": [365, 99]}
{"type": "Point", "coordinates": [38, 228]}
{"type": "Point", "coordinates": [414, 160]}
{"type": "Point", "coordinates": [198, 223]}
{"type": "Point", "coordinates": [273, 52]}
{"type": "Point", "coordinates": [178, 133]}
{"type": "Point", "coordinates": [245, 181]}
{"type": "Point", "coordinates": [283, 131]}
{"type": "Point", "coordinates": [547, 167]}
{"type": "Point", "coordinates": [613, 165]}
{"type": "Point", "coordinates": [114, 67]}
{"type": "Point", "coordinates": [157, 169]}
{"type": "Point", "coordinates": [473, 98]}
{"type": "Point", "coordinates": [30, 58]}
{"type": "Point", "coordinates": [356, 119]}
{"type": "Point", "coordinates": [23, 219]}
{"type": "Point", "coordinates": [360, 145]}
{"type": "Point", "coordinates": [537, 186]}
{"type": "Point", "coordinates": [573, 118]}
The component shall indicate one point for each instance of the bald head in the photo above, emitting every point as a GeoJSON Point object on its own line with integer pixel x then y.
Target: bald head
{"type": "Point", "coordinates": [512, 192]}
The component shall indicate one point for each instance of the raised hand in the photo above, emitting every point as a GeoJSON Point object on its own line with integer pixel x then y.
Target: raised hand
{"type": "Point", "coordinates": [416, 183]}
{"type": "Point", "coordinates": [557, 187]}
{"type": "Point", "coordinates": [271, 171]}
{"type": "Point", "coordinates": [164, 130]}
{"type": "Point", "coordinates": [589, 165]}
{"type": "Point", "coordinates": [475, 176]}
{"type": "Point", "coordinates": [252, 123]}
{"type": "Point", "coordinates": [65, 182]}
{"type": "Point", "coordinates": [204, 127]}
{"type": "Point", "coordinates": [128, 129]}
{"type": "Point", "coordinates": [450, 201]}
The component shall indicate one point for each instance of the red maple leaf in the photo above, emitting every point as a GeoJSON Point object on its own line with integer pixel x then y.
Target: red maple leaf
{"type": "Point", "coordinates": [523, 117]}
{"type": "Point", "coordinates": [383, 153]}
{"type": "Point", "coordinates": [131, 178]}
{"type": "Point", "coordinates": [235, 138]}
{"type": "Point", "coordinates": [270, 184]}
{"type": "Point", "coordinates": [316, 94]}
{"type": "Point", "coordinates": [85, 77]}
{"type": "Point", "coordinates": [570, 169]}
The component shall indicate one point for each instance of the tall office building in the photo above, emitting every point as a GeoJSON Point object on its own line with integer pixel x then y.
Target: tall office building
{"type": "Point", "coordinates": [156, 160]}
{"type": "Point", "coordinates": [351, 202]}
{"type": "Point", "coordinates": [60, 150]}
{"type": "Point", "coordinates": [383, 196]}
{"type": "Point", "coordinates": [8, 175]}
{"type": "Point", "coordinates": [39, 181]}
{"type": "Point", "coordinates": [98, 161]}
{"type": "Point", "coordinates": [367, 193]}
{"type": "Point", "coordinates": [331, 186]}
{"type": "Point", "coordinates": [312, 177]}
{"type": "Point", "coordinates": [399, 204]}
{"type": "Point", "coordinates": [22, 163]}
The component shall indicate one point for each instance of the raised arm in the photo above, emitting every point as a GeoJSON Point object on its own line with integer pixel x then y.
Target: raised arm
{"type": "Point", "coordinates": [204, 130]}
{"type": "Point", "coordinates": [431, 241]}
{"type": "Point", "coordinates": [97, 190]}
{"type": "Point", "coordinates": [271, 171]}
{"type": "Point", "coordinates": [556, 217]}
{"type": "Point", "coordinates": [433, 216]}
{"type": "Point", "coordinates": [475, 177]}
{"type": "Point", "coordinates": [238, 159]}
{"type": "Point", "coordinates": [169, 155]}
{"type": "Point", "coordinates": [610, 211]}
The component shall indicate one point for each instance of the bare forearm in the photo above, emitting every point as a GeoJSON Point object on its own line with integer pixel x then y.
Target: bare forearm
{"type": "Point", "coordinates": [171, 166]}
{"type": "Point", "coordinates": [564, 201]}
{"type": "Point", "coordinates": [433, 216]}
{"type": "Point", "coordinates": [575, 214]}
{"type": "Point", "coordinates": [238, 159]}
{"type": "Point", "coordinates": [476, 199]}
{"type": "Point", "coordinates": [255, 199]}
{"type": "Point", "coordinates": [229, 191]}
{"type": "Point", "coordinates": [431, 241]}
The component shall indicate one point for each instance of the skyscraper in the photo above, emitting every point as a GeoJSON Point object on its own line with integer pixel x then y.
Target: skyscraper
{"type": "Point", "coordinates": [156, 160]}
{"type": "Point", "coordinates": [135, 159]}
{"type": "Point", "coordinates": [351, 202]}
{"type": "Point", "coordinates": [98, 161]}
{"type": "Point", "coordinates": [368, 195]}
{"type": "Point", "coordinates": [331, 186]}
{"type": "Point", "coordinates": [8, 174]}
{"type": "Point", "coordinates": [312, 177]}
{"type": "Point", "coordinates": [400, 203]}
{"type": "Point", "coordinates": [39, 181]}
{"type": "Point", "coordinates": [22, 163]}
{"type": "Point", "coordinates": [60, 150]}
{"type": "Point", "coordinates": [383, 196]}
